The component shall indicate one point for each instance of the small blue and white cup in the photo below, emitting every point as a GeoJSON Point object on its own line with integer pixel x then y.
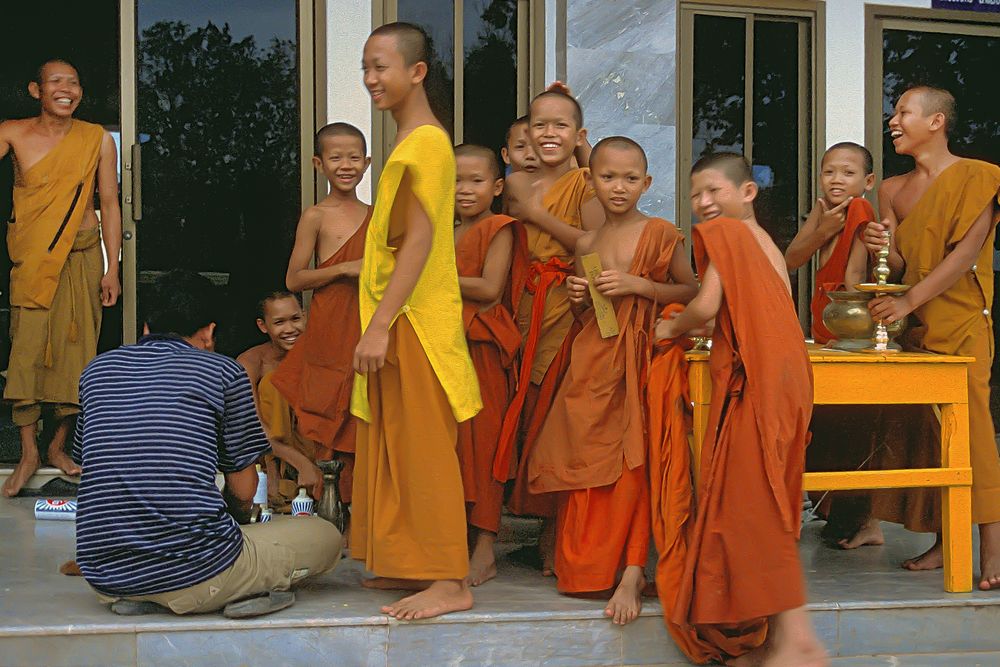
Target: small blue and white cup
{"type": "Point", "coordinates": [265, 515]}
{"type": "Point", "coordinates": [50, 509]}
{"type": "Point", "coordinates": [302, 504]}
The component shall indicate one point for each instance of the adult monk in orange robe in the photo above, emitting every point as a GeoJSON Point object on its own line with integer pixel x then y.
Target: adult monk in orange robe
{"type": "Point", "coordinates": [556, 206]}
{"type": "Point", "coordinates": [58, 282]}
{"type": "Point", "coordinates": [492, 266]}
{"type": "Point", "coordinates": [316, 376]}
{"type": "Point", "coordinates": [944, 214]}
{"type": "Point", "coordinates": [408, 515]}
{"type": "Point", "coordinates": [742, 583]}
{"type": "Point", "coordinates": [592, 448]}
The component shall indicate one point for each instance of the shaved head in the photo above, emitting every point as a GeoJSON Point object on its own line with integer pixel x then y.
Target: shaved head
{"type": "Point", "coordinates": [577, 109]}
{"type": "Point", "coordinates": [937, 100]}
{"type": "Point", "coordinates": [475, 150]}
{"type": "Point", "coordinates": [866, 156]}
{"type": "Point", "coordinates": [270, 297]}
{"type": "Point", "coordinates": [411, 41]}
{"type": "Point", "coordinates": [621, 143]}
{"type": "Point", "coordinates": [338, 130]}
{"type": "Point", "coordinates": [523, 120]}
{"type": "Point", "coordinates": [40, 72]}
{"type": "Point", "coordinates": [732, 165]}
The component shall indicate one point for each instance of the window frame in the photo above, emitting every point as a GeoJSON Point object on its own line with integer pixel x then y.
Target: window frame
{"type": "Point", "coordinates": [811, 16]}
{"type": "Point", "coordinates": [530, 70]}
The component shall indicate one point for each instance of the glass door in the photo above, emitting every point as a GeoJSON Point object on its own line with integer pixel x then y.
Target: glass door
{"type": "Point", "coordinates": [218, 127]}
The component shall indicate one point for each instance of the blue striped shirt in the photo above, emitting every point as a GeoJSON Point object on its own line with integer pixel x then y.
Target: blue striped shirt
{"type": "Point", "coordinates": [157, 419]}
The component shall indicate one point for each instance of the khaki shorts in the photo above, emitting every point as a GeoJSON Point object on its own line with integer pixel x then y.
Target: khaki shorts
{"type": "Point", "coordinates": [275, 556]}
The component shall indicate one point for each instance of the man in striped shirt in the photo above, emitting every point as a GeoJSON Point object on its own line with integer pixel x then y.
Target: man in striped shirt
{"type": "Point", "coordinates": [157, 420]}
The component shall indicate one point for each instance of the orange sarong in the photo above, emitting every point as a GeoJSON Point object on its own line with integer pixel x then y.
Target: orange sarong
{"type": "Point", "coordinates": [494, 341]}
{"type": "Point", "coordinates": [316, 375]}
{"type": "Point", "coordinates": [592, 446]}
{"type": "Point", "coordinates": [830, 277]}
{"type": "Point", "coordinates": [740, 558]}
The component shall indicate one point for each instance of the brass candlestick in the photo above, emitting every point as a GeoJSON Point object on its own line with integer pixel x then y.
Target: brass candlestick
{"type": "Point", "coordinates": [880, 341]}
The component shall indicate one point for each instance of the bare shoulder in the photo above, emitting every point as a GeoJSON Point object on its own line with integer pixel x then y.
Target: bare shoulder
{"type": "Point", "coordinates": [251, 360]}
{"type": "Point", "coordinates": [518, 179]}
{"type": "Point", "coordinates": [311, 218]}
{"type": "Point", "coordinates": [12, 129]}
{"type": "Point", "coordinates": [892, 185]}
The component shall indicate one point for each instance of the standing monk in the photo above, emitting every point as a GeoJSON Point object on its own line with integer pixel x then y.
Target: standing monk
{"type": "Point", "coordinates": [58, 282]}
{"type": "Point", "coordinates": [592, 448]}
{"type": "Point", "coordinates": [492, 267]}
{"type": "Point", "coordinates": [741, 582]}
{"type": "Point", "coordinates": [317, 375]}
{"type": "Point", "coordinates": [556, 205]}
{"type": "Point", "coordinates": [408, 515]}
{"type": "Point", "coordinates": [944, 214]}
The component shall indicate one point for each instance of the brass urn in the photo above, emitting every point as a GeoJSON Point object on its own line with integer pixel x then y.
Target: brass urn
{"type": "Point", "coordinates": [847, 318]}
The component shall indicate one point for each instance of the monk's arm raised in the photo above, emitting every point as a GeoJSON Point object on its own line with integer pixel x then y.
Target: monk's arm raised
{"type": "Point", "coordinates": [524, 200]}
{"type": "Point", "coordinates": [299, 276]}
{"type": "Point", "coordinates": [369, 356]}
{"type": "Point", "coordinates": [821, 225]}
{"type": "Point", "coordinates": [702, 309]}
{"type": "Point", "coordinates": [955, 264]}
{"type": "Point", "coordinates": [111, 219]}
{"type": "Point", "coordinates": [488, 287]}
{"type": "Point", "coordinates": [874, 232]}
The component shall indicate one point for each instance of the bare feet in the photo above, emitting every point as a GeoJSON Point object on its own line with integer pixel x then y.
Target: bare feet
{"type": "Point", "coordinates": [989, 556]}
{"type": "Point", "coordinates": [26, 467]}
{"type": "Point", "coordinates": [70, 569]}
{"type": "Point", "coordinates": [441, 597]}
{"type": "Point", "coordinates": [60, 459]}
{"type": "Point", "coordinates": [483, 562]}
{"type": "Point", "coordinates": [793, 642]}
{"type": "Point", "coordinates": [931, 559]}
{"type": "Point", "coordinates": [547, 547]}
{"type": "Point", "coordinates": [626, 602]}
{"type": "Point", "coordinates": [870, 534]}
{"type": "Point", "coordinates": [393, 584]}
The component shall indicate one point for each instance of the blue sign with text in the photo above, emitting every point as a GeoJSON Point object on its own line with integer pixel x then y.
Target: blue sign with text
{"type": "Point", "coordinates": [969, 5]}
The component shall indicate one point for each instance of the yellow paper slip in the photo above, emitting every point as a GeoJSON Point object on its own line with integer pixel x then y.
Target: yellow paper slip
{"type": "Point", "coordinates": [604, 310]}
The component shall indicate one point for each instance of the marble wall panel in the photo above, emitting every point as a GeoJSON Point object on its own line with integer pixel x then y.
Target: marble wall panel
{"type": "Point", "coordinates": [104, 650]}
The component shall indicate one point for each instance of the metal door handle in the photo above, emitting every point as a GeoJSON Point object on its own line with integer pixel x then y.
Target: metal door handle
{"type": "Point", "coordinates": [137, 182]}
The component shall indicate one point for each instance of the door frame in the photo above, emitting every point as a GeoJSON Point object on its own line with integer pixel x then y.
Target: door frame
{"type": "Point", "coordinates": [311, 28]}
{"type": "Point", "coordinates": [882, 17]}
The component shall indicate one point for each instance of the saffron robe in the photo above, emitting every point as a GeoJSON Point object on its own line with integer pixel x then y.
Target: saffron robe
{"type": "Point", "coordinates": [546, 325]}
{"type": "Point", "coordinates": [741, 565]}
{"type": "Point", "coordinates": [830, 276]}
{"type": "Point", "coordinates": [494, 341]}
{"type": "Point", "coordinates": [958, 321]}
{"type": "Point", "coordinates": [593, 443]}
{"type": "Point", "coordinates": [408, 510]}
{"type": "Point", "coordinates": [280, 423]}
{"type": "Point", "coordinates": [317, 375]}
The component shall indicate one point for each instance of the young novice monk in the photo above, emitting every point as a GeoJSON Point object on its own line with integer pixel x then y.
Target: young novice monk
{"type": "Point", "coordinates": [408, 516]}
{"type": "Point", "coordinates": [492, 268]}
{"type": "Point", "coordinates": [556, 205]}
{"type": "Point", "coordinates": [944, 215]}
{"type": "Point", "coordinates": [280, 316]}
{"type": "Point", "coordinates": [742, 565]}
{"type": "Point", "coordinates": [518, 152]}
{"type": "Point", "coordinates": [592, 445]}
{"type": "Point", "coordinates": [317, 375]}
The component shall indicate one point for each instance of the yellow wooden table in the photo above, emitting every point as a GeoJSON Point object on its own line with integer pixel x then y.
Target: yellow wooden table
{"type": "Point", "coordinates": [846, 378]}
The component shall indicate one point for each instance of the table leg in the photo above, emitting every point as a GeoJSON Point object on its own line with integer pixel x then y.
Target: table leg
{"type": "Point", "coordinates": [699, 427]}
{"type": "Point", "coordinates": [956, 501]}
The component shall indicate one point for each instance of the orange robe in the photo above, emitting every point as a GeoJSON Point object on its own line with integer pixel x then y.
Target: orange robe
{"type": "Point", "coordinates": [740, 556]}
{"type": "Point", "coordinates": [547, 328]}
{"type": "Point", "coordinates": [316, 376]}
{"type": "Point", "coordinates": [957, 321]}
{"type": "Point", "coordinates": [830, 277]}
{"type": "Point", "coordinates": [592, 446]}
{"type": "Point", "coordinates": [494, 341]}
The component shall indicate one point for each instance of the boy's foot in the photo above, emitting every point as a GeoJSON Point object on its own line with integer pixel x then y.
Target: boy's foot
{"type": "Point", "coordinates": [60, 459]}
{"type": "Point", "coordinates": [932, 559]}
{"type": "Point", "coordinates": [547, 547]}
{"type": "Point", "coordinates": [441, 597]}
{"type": "Point", "coordinates": [626, 602]}
{"type": "Point", "coordinates": [483, 561]}
{"type": "Point", "coordinates": [26, 467]}
{"type": "Point", "coordinates": [989, 556]}
{"type": "Point", "coordinates": [70, 569]}
{"type": "Point", "coordinates": [260, 606]}
{"type": "Point", "coordinates": [792, 642]}
{"type": "Point", "coordinates": [870, 535]}
{"type": "Point", "coordinates": [395, 584]}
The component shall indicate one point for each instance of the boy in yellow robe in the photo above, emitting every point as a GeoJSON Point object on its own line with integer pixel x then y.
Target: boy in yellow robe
{"type": "Point", "coordinates": [58, 282]}
{"type": "Point", "coordinates": [943, 218]}
{"type": "Point", "coordinates": [408, 514]}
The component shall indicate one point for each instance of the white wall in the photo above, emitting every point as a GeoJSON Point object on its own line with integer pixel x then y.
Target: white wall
{"type": "Point", "coordinates": [348, 23]}
{"type": "Point", "coordinates": [845, 67]}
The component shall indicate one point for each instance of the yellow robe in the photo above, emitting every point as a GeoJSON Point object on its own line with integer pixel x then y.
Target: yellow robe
{"type": "Point", "coordinates": [957, 321]}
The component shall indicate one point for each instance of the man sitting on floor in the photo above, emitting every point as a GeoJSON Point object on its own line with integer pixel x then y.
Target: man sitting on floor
{"type": "Point", "coordinates": [157, 420]}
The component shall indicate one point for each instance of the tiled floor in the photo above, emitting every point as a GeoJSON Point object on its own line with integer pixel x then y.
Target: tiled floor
{"type": "Point", "coordinates": [867, 610]}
